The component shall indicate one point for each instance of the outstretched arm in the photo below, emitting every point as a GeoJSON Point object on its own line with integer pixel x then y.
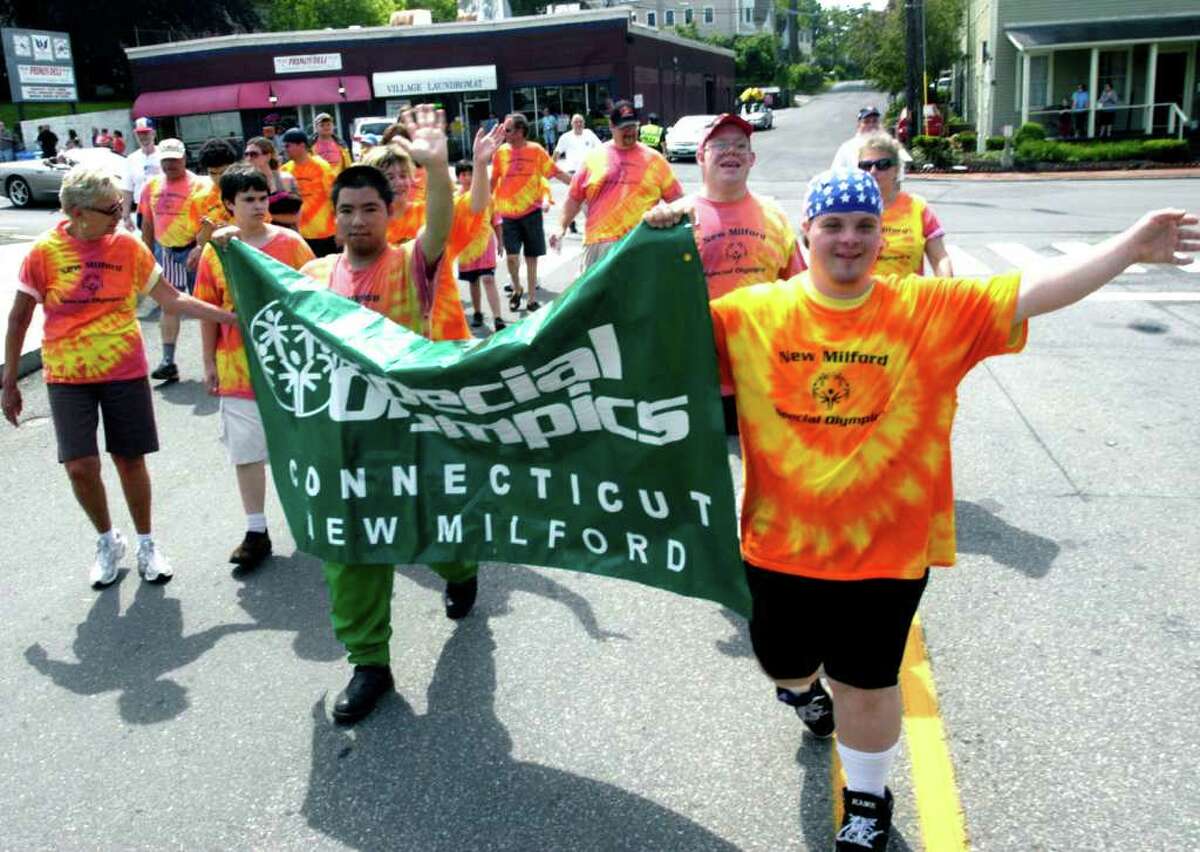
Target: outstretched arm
{"type": "Point", "coordinates": [1161, 236]}
{"type": "Point", "coordinates": [427, 132]}
{"type": "Point", "coordinates": [485, 148]}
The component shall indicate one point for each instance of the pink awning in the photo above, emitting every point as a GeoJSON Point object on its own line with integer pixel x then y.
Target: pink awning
{"type": "Point", "coordinates": [237, 96]}
{"type": "Point", "coordinates": [320, 90]}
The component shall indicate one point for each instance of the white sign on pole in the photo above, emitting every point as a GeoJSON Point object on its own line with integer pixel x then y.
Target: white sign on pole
{"type": "Point", "coordinates": [434, 81]}
{"type": "Point", "coordinates": [60, 75]}
{"type": "Point", "coordinates": [300, 63]}
{"type": "Point", "coordinates": [38, 65]}
{"type": "Point", "coordinates": [49, 93]}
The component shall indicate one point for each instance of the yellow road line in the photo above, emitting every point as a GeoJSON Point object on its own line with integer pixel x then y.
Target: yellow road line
{"type": "Point", "coordinates": [943, 827]}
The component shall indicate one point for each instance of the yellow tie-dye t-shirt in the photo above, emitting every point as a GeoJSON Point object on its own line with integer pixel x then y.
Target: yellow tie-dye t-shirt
{"type": "Point", "coordinates": [845, 411]}
{"type": "Point", "coordinates": [178, 206]}
{"type": "Point", "coordinates": [472, 240]}
{"type": "Point", "coordinates": [314, 178]}
{"type": "Point", "coordinates": [88, 290]}
{"type": "Point", "coordinates": [619, 185]}
{"type": "Point", "coordinates": [908, 223]}
{"type": "Point", "coordinates": [517, 175]}
{"type": "Point", "coordinates": [233, 374]}
{"type": "Point", "coordinates": [398, 286]}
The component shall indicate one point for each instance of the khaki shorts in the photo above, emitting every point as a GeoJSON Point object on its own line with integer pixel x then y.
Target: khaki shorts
{"type": "Point", "coordinates": [594, 253]}
{"type": "Point", "coordinates": [240, 429]}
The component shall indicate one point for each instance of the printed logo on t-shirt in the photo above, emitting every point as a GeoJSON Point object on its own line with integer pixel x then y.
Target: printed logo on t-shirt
{"type": "Point", "coordinates": [831, 389]}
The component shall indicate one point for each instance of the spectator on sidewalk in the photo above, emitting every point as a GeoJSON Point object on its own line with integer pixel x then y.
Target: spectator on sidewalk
{"type": "Point", "coordinates": [8, 144]}
{"type": "Point", "coordinates": [1106, 111]}
{"type": "Point", "coordinates": [1079, 111]}
{"type": "Point", "coordinates": [48, 141]}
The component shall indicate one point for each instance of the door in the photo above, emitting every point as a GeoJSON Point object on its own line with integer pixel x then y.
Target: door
{"type": "Point", "coordinates": [1169, 81]}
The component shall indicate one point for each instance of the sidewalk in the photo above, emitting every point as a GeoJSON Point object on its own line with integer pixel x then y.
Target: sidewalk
{"type": "Point", "coordinates": [1192, 172]}
{"type": "Point", "coordinates": [11, 256]}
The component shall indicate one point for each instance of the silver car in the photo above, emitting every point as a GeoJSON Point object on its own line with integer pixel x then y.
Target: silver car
{"type": "Point", "coordinates": [759, 115]}
{"type": "Point", "coordinates": [683, 137]}
{"type": "Point", "coordinates": [27, 181]}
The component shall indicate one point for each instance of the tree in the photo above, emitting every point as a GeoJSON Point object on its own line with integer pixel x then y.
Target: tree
{"type": "Point", "coordinates": [318, 14]}
{"type": "Point", "coordinates": [887, 65]}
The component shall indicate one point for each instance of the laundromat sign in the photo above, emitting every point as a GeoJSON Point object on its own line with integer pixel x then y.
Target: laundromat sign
{"type": "Point", "coordinates": [434, 81]}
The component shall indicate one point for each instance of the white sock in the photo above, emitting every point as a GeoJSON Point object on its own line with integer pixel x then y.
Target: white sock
{"type": "Point", "coordinates": [867, 771]}
{"type": "Point", "coordinates": [143, 538]}
{"type": "Point", "coordinates": [109, 536]}
{"type": "Point", "coordinates": [256, 522]}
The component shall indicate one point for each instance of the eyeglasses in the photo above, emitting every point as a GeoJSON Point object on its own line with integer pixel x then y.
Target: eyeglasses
{"type": "Point", "coordinates": [106, 211]}
{"type": "Point", "coordinates": [252, 154]}
{"type": "Point", "coordinates": [882, 164]}
{"type": "Point", "coordinates": [729, 147]}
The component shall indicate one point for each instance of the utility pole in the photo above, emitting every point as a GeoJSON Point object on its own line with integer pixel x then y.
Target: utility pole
{"type": "Point", "coordinates": [793, 31]}
{"type": "Point", "coordinates": [914, 28]}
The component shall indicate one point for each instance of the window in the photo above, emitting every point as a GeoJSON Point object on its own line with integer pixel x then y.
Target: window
{"type": "Point", "coordinates": [688, 16]}
{"type": "Point", "coordinates": [709, 14]}
{"type": "Point", "coordinates": [1039, 79]}
{"type": "Point", "coordinates": [669, 18]}
{"type": "Point", "coordinates": [633, 16]}
{"type": "Point", "coordinates": [1114, 68]}
{"type": "Point", "coordinates": [748, 15]}
{"type": "Point", "coordinates": [651, 19]}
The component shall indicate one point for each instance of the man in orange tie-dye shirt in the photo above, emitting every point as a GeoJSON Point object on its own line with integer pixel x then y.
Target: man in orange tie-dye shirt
{"type": "Point", "coordinates": [245, 194]}
{"type": "Point", "coordinates": [314, 178]}
{"type": "Point", "coordinates": [518, 169]}
{"type": "Point", "coordinates": [87, 276]}
{"type": "Point", "coordinates": [402, 283]}
{"type": "Point", "coordinates": [846, 390]}
{"type": "Point", "coordinates": [618, 182]}
{"type": "Point", "coordinates": [174, 206]}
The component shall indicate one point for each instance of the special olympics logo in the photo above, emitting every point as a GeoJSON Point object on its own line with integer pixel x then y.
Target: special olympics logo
{"type": "Point", "coordinates": [736, 250]}
{"type": "Point", "coordinates": [297, 365]}
{"type": "Point", "coordinates": [829, 389]}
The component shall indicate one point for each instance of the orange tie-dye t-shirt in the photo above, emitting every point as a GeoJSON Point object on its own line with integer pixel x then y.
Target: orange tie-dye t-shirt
{"type": "Point", "coordinates": [88, 290]}
{"type": "Point", "coordinates": [517, 175]}
{"type": "Point", "coordinates": [178, 206]}
{"type": "Point", "coordinates": [619, 185]}
{"type": "Point", "coordinates": [908, 223]}
{"type": "Point", "coordinates": [407, 225]}
{"type": "Point", "coordinates": [748, 241]}
{"type": "Point", "coordinates": [314, 178]}
{"type": "Point", "coordinates": [233, 374]}
{"type": "Point", "coordinates": [472, 240]}
{"type": "Point", "coordinates": [393, 286]}
{"type": "Point", "coordinates": [845, 409]}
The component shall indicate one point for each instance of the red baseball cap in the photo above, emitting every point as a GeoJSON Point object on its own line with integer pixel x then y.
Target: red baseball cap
{"type": "Point", "coordinates": [727, 119]}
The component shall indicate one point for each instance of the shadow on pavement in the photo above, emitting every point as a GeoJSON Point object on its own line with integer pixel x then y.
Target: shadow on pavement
{"type": "Point", "coordinates": [738, 644]}
{"type": "Point", "coordinates": [984, 533]}
{"type": "Point", "coordinates": [448, 780]}
{"type": "Point", "coordinates": [132, 652]}
{"type": "Point", "coordinates": [188, 392]}
{"type": "Point", "coordinates": [288, 593]}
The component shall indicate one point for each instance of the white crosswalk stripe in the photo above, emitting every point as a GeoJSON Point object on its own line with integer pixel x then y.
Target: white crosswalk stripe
{"type": "Point", "coordinates": [1142, 296]}
{"type": "Point", "coordinates": [965, 264]}
{"type": "Point", "coordinates": [1016, 254]}
{"type": "Point", "coordinates": [1070, 247]}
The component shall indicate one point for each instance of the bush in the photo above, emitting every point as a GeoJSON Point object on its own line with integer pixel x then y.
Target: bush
{"type": "Point", "coordinates": [1030, 131]}
{"type": "Point", "coordinates": [957, 125]}
{"type": "Point", "coordinates": [1157, 150]}
{"type": "Point", "coordinates": [933, 149]}
{"type": "Point", "coordinates": [1166, 150]}
{"type": "Point", "coordinates": [802, 77]}
{"type": "Point", "coordinates": [994, 143]}
{"type": "Point", "coordinates": [967, 139]}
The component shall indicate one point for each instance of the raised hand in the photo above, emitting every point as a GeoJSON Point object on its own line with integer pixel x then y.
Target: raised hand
{"type": "Point", "coordinates": [426, 142]}
{"type": "Point", "coordinates": [486, 143]}
{"type": "Point", "coordinates": [1164, 236]}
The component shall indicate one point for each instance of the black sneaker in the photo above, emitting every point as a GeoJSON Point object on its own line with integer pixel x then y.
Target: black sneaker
{"type": "Point", "coordinates": [459, 598]}
{"type": "Point", "coordinates": [255, 547]}
{"type": "Point", "coordinates": [476, 319]}
{"type": "Point", "coordinates": [165, 372]}
{"type": "Point", "coordinates": [866, 823]}
{"type": "Point", "coordinates": [362, 693]}
{"type": "Point", "coordinates": [815, 708]}
{"type": "Point", "coordinates": [498, 324]}
{"type": "Point", "coordinates": [508, 287]}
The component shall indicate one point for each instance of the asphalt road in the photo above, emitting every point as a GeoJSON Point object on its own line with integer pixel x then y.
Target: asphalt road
{"type": "Point", "coordinates": [574, 712]}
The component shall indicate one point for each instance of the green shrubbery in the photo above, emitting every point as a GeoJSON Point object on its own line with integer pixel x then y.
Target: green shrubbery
{"type": "Point", "coordinates": [933, 149]}
{"type": "Point", "coordinates": [967, 139]}
{"type": "Point", "coordinates": [994, 143]}
{"type": "Point", "coordinates": [1030, 131]}
{"type": "Point", "coordinates": [1156, 150]}
{"type": "Point", "coordinates": [802, 77]}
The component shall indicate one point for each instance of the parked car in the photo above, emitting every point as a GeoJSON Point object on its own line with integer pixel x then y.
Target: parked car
{"type": "Point", "coordinates": [935, 125]}
{"type": "Point", "coordinates": [28, 181]}
{"type": "Point", "coordinates": [374, 125]}
{"type": "Point", "coordinates": [683, 137]}
{"type": "Point", "coordinates": [759, 115]}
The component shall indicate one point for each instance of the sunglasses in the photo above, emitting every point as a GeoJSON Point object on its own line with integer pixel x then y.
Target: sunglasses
{"type": "Point", "coordinates": [106, 211]}
{"type": "Point", "coordinates": [882, 164]}
{"type": "Point", "coordinates": [254, 155]}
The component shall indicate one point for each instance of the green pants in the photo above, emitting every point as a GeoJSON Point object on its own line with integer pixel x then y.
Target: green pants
{"type": "Point", "coordinates": [360, 605]}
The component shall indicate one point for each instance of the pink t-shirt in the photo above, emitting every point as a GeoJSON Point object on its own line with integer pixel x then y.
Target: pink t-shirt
{"type": "Point", "coordinates": [744, 242]}
{"type": "Point", "coordinates": [619, 185]}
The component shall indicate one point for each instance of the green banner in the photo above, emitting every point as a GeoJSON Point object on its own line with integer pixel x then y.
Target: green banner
{"type": "Point", "coordinates": [589, 436]}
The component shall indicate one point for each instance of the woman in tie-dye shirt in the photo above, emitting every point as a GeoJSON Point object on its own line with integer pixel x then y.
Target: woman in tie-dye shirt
{"type": "Point", "coordinates": [87, 275]}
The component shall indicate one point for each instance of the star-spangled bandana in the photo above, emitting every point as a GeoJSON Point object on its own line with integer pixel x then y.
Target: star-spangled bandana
{"type": "Point", "coordinates": [843, 190]}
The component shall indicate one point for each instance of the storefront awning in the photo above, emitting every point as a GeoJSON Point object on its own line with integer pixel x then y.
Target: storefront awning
{"type": "Point", "coordinates": [237, 96]}
{"type": "Point", "coordinates": [1074, 34]}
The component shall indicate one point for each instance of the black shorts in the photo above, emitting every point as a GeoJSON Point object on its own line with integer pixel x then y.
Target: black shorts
{"type": "Point", "coordinates": [128, 411]}
{"type": "Point", "coordinates": [322, 246]}
{"type": "Point", "coordinates": [473, 275]}
{"type": "Point", "coordinates": [857, 629]}
{"type": "Point", "coordinates": [526, 233]}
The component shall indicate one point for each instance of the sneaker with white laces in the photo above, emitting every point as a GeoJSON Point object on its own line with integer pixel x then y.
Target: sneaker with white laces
{"type": "Point", "coordinates": [814, 707]}
{"type": "Point", "coordinates": [152, 565]}
{"type": "Point", "coordinates": [866, 822]}
{"type": "Point", "coordinates": [108, 556]}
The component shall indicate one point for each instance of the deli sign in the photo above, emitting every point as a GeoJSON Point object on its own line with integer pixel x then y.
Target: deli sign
{"type": "Point", "coordinates": [39, 65]}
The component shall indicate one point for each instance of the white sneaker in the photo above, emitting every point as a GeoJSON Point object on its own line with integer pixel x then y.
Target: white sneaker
{"type": "Point", "coordinates": [108, 556]}
{"type": "Point", "coordinates": [151, 564]}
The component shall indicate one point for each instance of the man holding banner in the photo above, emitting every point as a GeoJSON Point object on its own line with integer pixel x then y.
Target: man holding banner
{"type": "Point", "coordinates": [845, 387]}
